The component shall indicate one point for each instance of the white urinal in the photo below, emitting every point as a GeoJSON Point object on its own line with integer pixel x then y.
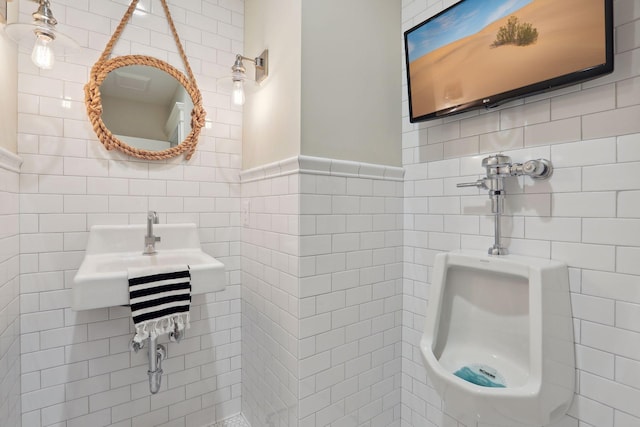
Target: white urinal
{"type": "Point", "coordinates": [505, 322]}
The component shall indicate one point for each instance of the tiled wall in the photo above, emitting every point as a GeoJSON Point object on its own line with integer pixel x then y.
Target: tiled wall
{"type": "Point", "coordinates": [9, 291]}
{"type": "Point", "coordinates": [270, 295]}
{"type": "Point", "coordinates": [322, 297]}
{"type": "Point", "coordinates": [587, 214]}
{"type": "Point", "coordinates": [351, 295]}
{"type": "Point", "coordinates": [76, 366]}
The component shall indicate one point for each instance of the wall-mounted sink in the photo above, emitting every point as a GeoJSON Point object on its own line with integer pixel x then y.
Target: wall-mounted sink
{"type": "Point", "coordinates": [102, 279]}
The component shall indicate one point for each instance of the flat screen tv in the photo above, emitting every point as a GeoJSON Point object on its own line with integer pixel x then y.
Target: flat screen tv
{"type": "Point", "coordinates": [481, 53]}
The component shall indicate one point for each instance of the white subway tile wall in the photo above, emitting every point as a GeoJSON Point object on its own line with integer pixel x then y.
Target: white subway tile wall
{"type": "Point", "coordinates": [76, 366]}
{"type": "Point", "coordinates": [351, 292]}
{"type": "Point", "coordinates": [586, 215]}
{"type": "Point", "coordinates": [270, 300]}
{"type": "Point", "coordinates": [10, 383]}
{"type": "Point", "coordinates": [322, 297]}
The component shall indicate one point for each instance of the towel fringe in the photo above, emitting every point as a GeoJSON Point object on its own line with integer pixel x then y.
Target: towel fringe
{"type": "Point", "coordinates": [160, 326]}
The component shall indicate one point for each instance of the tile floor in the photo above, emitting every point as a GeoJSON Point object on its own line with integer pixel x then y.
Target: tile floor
{"type": "Point", "coordinates": [235, 421]}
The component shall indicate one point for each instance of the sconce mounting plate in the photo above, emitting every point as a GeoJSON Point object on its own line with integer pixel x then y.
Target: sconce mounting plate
{"type": "Point", "coordinates": [262, 66]}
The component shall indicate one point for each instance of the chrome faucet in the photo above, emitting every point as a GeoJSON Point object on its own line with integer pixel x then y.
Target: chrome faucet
{"type": "Point", "coordinates": [150, 240]}
{"type": "Point", "coordinates": [499, 167]}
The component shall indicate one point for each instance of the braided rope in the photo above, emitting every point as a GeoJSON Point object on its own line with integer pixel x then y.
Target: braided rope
{"type": "Point", "coordinates": [104, 65]}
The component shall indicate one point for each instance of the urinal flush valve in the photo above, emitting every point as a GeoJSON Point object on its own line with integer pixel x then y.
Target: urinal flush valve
{"type": "Point", "coordinates": [498, 168]}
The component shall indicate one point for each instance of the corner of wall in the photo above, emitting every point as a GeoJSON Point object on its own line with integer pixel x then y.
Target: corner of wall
{"type": "Point", "coordinates": [9, 93]}
{"type": "Point", "coordinates": [10, 380]}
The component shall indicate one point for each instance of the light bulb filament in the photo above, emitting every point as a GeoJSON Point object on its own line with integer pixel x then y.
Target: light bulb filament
{"type": "Point", "coordinates": [237, 95]}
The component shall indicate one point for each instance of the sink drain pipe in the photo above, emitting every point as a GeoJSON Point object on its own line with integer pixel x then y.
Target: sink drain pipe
{"type": "Point", "coordinates": [156, 353]}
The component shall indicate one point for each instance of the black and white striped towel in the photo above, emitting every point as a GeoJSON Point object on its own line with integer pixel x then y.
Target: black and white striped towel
{"type": "Point", "coordinates": [160, 298]}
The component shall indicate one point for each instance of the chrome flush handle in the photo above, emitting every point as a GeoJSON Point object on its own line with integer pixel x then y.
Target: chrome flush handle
{"type": "Point", "coordinates": [498, 168]}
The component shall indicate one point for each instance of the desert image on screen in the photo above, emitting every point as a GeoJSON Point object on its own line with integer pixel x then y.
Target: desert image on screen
{"type": "Point", "coordinates": [481, 48]}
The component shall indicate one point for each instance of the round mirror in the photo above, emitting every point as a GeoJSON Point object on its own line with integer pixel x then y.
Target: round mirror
{"type": "Point", "coordinates": [144, 107]}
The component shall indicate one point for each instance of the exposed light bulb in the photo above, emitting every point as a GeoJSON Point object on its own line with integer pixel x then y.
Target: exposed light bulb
{"type": "Point", "coordinates": [42, 54]}
{"type": "Point", "coordinates": [237, 95]}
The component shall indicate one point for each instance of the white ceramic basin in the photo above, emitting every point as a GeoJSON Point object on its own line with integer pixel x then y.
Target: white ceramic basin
{"type": "Point", "coordinates": [102, 279]}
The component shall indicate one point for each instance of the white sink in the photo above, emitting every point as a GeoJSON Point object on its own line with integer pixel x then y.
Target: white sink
{"type": "Point", "coordinates": [102, 279]}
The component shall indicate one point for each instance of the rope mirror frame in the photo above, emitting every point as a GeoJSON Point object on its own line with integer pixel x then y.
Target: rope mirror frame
{"type": "Point", "coordinates": [103, 66]}
{"type": "Point", "coordinates": [93, 102]}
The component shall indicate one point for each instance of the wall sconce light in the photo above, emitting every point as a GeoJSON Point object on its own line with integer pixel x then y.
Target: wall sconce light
{"type": "Point", "coordinates": [43, 28]}
{"type": "Point", "coordinates": [238, 74]}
